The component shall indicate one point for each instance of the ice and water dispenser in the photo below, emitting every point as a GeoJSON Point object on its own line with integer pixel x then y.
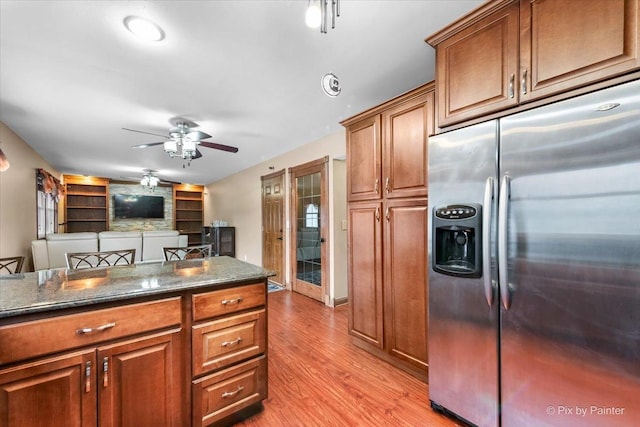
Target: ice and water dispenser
{"type": "Point", "coordinates": [457, 240]}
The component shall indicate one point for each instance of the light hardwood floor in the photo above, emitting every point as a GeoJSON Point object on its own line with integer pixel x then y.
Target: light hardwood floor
{"type": "Point", "coordinates": [318, 378]}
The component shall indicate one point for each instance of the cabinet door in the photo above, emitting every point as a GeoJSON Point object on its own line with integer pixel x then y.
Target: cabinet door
{"type": "Point", "coordinates": [56, 392]}
{"type": "Point", "coordinates": [569, 43]}
{"type": "Point", "coordinates": [365, 272]}
{"type": "Point", "coordinates": [405, 278]}
{"type": "Point", "coordinates": [406, 128]}
{"type": "Point", "coordinates": [477, 68]}
{"type": "Point", "coordinates": [363, 160]}
{"type": "Point", "coordinates": [139, 383]}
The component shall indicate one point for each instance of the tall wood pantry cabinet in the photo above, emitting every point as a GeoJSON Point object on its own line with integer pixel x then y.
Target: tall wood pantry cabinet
{"type": "Point", "coordinates": [387, 228]}
{"type": "Point", "coordinates": [508, 52]}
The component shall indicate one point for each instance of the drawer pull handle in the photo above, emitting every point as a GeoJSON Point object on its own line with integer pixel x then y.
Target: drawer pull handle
{"type": "Point", "coordinates": [232, 393]}
{"type": "Point", "coordinates": [234, 342]}
{"type": "Point", "coordinates": [84, 331]}
{"type": "Point", "coordinates": [231, 301]}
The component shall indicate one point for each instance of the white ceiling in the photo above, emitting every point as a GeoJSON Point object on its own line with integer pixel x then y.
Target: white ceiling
{"type": "Point", "coordinates": [248, 72]}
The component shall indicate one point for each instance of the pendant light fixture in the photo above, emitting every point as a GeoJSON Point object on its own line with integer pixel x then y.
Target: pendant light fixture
{"type": "Point", "coordinates": [318, 11]}
{"type": "Point", "coordinates": [149, 180]}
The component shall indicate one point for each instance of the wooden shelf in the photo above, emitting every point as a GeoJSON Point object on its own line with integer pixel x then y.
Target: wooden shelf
{"type": "Point", "coordinates": [188, 212]}
{"type": "Point", "coordinates": [86, 204]}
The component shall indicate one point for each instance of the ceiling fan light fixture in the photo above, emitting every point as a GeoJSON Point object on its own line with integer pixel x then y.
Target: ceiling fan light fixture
{"type": "Point", "coordinates": [143, 28]}
{"type": "Point", "coordinates": [188, 149]}
{"type": "Point", "coordinates": [171, 147]}
{"type": "Point", "coordinates": [313, 15]}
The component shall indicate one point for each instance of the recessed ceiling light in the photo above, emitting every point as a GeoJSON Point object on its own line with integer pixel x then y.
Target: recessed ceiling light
{"type": "Point", "coordinates": [143, 28]}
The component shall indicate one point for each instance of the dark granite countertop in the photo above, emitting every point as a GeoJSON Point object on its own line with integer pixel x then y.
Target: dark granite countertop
{"type": "Point", "coordinates": [62, 288]}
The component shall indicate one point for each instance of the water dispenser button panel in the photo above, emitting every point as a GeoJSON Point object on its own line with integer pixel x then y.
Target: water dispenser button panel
{"type": "Point", "coordinates": [456, 212]}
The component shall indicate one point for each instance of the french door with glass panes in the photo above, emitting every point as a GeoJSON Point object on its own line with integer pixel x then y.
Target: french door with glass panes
{"type": "Point", "coordinates": [308, 219]}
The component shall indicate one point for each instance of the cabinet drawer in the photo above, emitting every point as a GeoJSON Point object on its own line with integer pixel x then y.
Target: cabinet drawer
{"type": "Point", "coordinates": [226, 392]}
{"type": "Point", "coordinates": [228, 340]}
{"type": "Point", "coordinates": [226, 301]}
{"type": "Point", "coordinates": [51, 335]}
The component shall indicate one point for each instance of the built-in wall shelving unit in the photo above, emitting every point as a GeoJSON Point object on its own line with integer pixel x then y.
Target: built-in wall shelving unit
{"type": "Point", "coordinates": [188, 211]}
{"type": "Point", "coordinates": [86, 203]}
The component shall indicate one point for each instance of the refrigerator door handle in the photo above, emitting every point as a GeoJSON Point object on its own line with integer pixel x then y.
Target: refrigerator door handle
{"type": "Point", "coordinates": [503, 265]}
{"type": "Point", "coordinates": [487, 210]}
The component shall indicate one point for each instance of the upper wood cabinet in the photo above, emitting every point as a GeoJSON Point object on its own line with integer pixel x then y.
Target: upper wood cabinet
{"type": "Point", "coordinates": [387, 147]}
{"type": "Point", "coordinates": [364, 157]}
{"type": "Point", "coordinates": [508, 52]}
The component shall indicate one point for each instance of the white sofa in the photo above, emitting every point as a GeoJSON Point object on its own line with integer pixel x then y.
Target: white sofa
{"type": "Point", "coordinates": [118, 240]}
{"type": "Point", "coordinates": [50, 252]}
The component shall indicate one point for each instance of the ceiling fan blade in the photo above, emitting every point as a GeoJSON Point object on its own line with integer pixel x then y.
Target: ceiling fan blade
{"type": "Point", "coordinates": [196, 135]}
{"type": "Point", "coordinates": [222, 147]}
{"type": "Point", "coordinates": [148, 133]}
{"type": "Point", "coordinates": [164, 181]}
{"type": "Point", "coordinates": [147, 145]}
{"type": "Point", "coordinates": [198, 155]}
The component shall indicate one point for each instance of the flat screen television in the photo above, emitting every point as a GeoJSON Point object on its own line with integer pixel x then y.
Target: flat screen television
{"type": "Point", "coordinates": [134, 206]}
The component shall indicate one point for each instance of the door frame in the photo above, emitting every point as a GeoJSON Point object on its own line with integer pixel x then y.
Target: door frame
{"type": "Point", "coordinates": [320, 165]}
{"type": "Point", "coordinates": [281, 173]}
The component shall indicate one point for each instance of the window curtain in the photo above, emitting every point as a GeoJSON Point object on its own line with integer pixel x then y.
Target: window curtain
{"type": "Point", "coordinates": [48, 192]}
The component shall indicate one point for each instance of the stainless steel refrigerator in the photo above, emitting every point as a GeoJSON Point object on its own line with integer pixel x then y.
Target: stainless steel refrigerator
{"type": "Point", "coordinates": [534, 285]}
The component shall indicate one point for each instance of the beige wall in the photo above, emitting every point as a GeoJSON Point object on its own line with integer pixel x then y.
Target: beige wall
{"type": "Point", "coordinates": [339, 241]}
{"type": "Point", "coordinates": [18, 196]}
{"type": "Point", "coordinates": [237, 199]}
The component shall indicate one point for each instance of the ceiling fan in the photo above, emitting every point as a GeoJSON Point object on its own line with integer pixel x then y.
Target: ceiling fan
{"type": "Point", "coordinates": [183, 141]}
{"type": "Point", "coordinates": [150, 179]}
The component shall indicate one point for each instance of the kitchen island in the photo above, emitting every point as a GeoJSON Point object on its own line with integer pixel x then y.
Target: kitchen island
{"type": "Point", "coordinates": [165, 344]}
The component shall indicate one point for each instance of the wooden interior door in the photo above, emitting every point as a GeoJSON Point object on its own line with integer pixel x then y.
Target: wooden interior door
{"type": "Point", "coordinates": [308, 219]}
{"type": "Point", "coordinates": [273, 225]}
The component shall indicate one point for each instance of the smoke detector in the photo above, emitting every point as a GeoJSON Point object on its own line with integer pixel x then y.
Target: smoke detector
{"type": "Point", "coordinates": [330, 85]}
